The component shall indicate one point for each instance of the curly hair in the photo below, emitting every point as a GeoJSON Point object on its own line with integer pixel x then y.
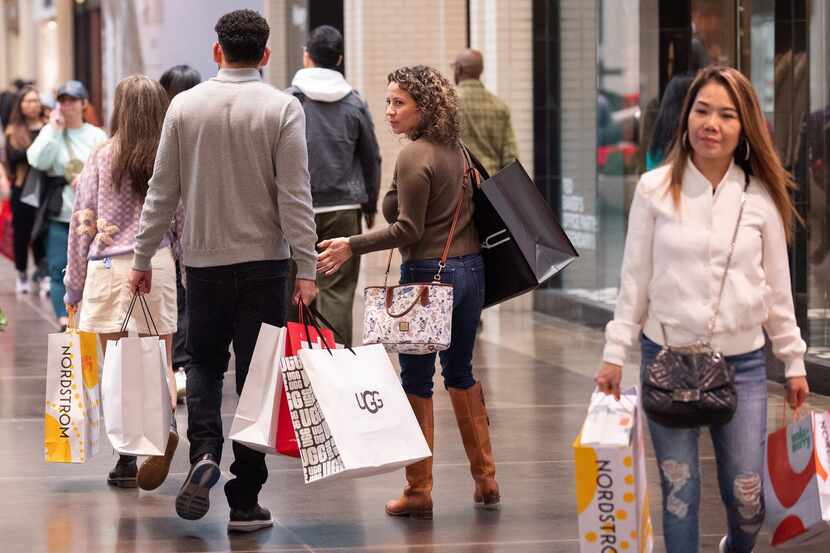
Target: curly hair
{"type": "Point", "coordinates": [243, 35]}
{"type": "Point", "coordinates": [435, 99]}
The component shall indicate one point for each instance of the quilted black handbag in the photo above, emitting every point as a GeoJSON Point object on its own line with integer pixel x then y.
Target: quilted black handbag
{"type": "Point", "coordinates": [693, 386]}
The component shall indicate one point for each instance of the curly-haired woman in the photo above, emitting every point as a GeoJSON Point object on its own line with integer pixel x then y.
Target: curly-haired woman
{"type": "Point", "coordinates": [421, 105]}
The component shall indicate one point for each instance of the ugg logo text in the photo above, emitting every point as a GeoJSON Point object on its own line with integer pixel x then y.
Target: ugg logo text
{"type": "Point", "coordinates": [369, 401]}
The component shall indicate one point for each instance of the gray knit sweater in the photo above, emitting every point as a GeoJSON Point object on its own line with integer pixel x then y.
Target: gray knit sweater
{"type": "Point", "coordinates": [234, 150]}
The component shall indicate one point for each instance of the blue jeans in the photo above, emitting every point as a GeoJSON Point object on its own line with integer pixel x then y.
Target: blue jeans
{"type": "Point", "coordinates": [57, 243]}
{"type": "Point", "coordinates": [739, 457]}
{"type": "Point", "coordinates": [466, 274]}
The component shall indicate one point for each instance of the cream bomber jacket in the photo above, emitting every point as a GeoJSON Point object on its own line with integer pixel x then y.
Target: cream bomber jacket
{"type": "Point", "coordinates": [673, 265]}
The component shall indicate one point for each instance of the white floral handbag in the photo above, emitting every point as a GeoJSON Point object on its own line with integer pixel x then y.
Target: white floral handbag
{"type": "Point", "coordinates": [413, 318]}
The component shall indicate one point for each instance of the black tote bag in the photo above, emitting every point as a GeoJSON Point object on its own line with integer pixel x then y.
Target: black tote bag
{"type": "Point", "coordinates": [522, 243]}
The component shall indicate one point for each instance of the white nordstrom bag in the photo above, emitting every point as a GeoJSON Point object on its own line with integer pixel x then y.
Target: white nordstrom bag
{"type": "Point", "coordinates": [135, 395]}
{"type": "Point", "coordinates": [350, 413]}
{"type": "Point", "coordinates": [255, 421]}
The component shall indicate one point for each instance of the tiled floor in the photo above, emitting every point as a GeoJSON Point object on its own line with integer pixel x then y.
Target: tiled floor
{"type": "Point", "coordinates": [537, 373]}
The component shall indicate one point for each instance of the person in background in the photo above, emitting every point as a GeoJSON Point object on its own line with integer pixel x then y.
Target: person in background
{"type": "Point", "coordinates": [175, 80]}
{"type": "Point", "coordinates": [109, 197]}
{"type": "Point", "coordinates": [485, 119]}
{"type": "Point", "coordinates": [343, 163]}
{"type": "Point", "coordinates": [60, 150]}
{"type": "Point", "coordinates": [722, 166]}
{"type": "Point", "coordinates": [429, 177]}
{"type": "Point", "coordinates": [233, 150]}
{"type": "Point", "coordinates": [26, 120]}
{"type": "Point", "coordinates": [668, 119]}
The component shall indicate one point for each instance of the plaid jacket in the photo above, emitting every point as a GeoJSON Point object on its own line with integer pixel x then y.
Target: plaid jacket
{"type": "Point", "coordinates": [485, 126]}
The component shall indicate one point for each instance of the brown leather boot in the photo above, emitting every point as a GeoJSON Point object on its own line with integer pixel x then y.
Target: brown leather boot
{"type": "Point", "coordinates": [471, 415]}
{"type": "Point", "coordinates": [416, 501]}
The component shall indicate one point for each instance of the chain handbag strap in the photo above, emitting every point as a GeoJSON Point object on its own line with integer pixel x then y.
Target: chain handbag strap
{"type": "Point", "coordinates": [710, 328]}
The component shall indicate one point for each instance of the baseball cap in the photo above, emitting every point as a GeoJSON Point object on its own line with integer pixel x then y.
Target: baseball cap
{"type": "Point", "coordinates": [75, 89]}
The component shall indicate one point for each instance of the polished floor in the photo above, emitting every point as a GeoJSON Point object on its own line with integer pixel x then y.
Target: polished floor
{"type": "Point", "coordinates": [537, 374]}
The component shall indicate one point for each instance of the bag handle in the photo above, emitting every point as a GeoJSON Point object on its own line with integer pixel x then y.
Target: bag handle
{"type": "Point", "coordinates": [710, 328]}
{"type": "Point", "coordinates": [310, 314]}
{"type": "Point", "coordinates": [422, 297]}
{"type": "Point", "coordinates": [442, 262]}
{"type": "Point", "coordinates": [148, 316]}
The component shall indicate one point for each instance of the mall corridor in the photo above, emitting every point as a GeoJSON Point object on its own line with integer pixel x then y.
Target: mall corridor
{"type": "Point", "coordinates": [537, 373]}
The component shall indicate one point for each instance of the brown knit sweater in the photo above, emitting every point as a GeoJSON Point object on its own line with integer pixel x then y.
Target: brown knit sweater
{"type": "Point", "coordinates": [421, 204]}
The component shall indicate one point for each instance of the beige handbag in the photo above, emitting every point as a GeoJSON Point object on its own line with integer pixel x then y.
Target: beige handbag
{"type": "Point", "coordinates": [413, 318]}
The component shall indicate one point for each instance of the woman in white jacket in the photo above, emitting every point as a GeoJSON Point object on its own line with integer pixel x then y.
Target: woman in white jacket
{"type": "Point", "coordinates": [680, 233]}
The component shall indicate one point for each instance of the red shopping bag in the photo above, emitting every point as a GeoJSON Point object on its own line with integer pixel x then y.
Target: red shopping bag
{"type": "Point", "coordinates": [286, 439]}
{"type": "Point", "coordinates": [6, 243]}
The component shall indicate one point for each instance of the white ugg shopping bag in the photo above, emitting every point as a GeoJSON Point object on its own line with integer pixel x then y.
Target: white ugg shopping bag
{"type": "Point", "coordinates": [135, 395]}
{"type": "Point", "coordinates": [350, 413]}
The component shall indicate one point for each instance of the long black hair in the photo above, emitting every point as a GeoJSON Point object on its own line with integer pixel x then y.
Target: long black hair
{"type": "Point", "coordinates": [668, 119]}
{"type": "Point", "coordinates": [178, 79]}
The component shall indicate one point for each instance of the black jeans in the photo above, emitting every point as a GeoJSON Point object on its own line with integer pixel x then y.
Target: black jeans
{"type": "Point", "coordinates": [228, 304]}
{"type": "Point", "coordinates": [23, 220]}
{"type": "Point", "coordinates": [181, 357]}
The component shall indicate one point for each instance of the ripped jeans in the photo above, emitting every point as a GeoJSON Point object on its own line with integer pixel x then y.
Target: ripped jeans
{"type": "Point", "coordinates": [739, 457]}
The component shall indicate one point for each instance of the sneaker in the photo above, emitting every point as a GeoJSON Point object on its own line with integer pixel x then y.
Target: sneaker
{"type": "Point", "coordinates": [154, 470]}
{"type": "Point", "coordinates": [124, 473]}
{"type": "Point", "coordinates": [250, 520]}
{"type": "Point", "coordinates": [193, 500]}
{"type": "Point", "coordinates": [45, 283]}
{"type": "Point", "coordinates": [22, 284]}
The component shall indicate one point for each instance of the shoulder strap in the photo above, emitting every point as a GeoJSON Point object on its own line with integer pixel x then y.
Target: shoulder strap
{"type": "Point", "coordinates": [72, 156]}
{"type": "Point", "coordinates": [710, 331]}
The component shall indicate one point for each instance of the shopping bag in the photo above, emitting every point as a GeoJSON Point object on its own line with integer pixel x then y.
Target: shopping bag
{"type": "Point", "coordinates": [33, 187]}
{"type": "Point", "coordinates": [6, 236]}
{"type": "Point", "coordinates": [609, 422]}
{"type": "Point", "coordinates": [797, 483]}
{"type": "Point", "coordinates": [262, 403]}
{"type": "Point", "coordinates": [611, 494]}
{"type": "Point", "coordinates": [72, 421]}
{"type": "Point", "coordinates": [519, 231]}
{"type": "Point", "coordinates": [350, 414]}
{"type": "Point", "coordinates": [136, 398]}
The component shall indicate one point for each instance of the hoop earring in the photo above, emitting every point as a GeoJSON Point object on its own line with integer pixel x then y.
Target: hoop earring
{"type": "Point", "coordinates": [685, 140]}
{"type": "Point", "coordinates": [748, 150]}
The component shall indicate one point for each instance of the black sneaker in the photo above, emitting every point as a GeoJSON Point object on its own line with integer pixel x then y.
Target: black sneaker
{"type": "Point", "coordinates": [124, 474]}
{"type": "Point", "coordinates": [193, 500]}
{"type": "Point", "coordinates": [250, 520]}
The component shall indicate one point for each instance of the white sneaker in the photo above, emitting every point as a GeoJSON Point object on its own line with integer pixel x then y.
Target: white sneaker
{"type": "Point", "coordinates": [22, 285]}
{"type": "Point", "coordinates": [45, 283]}
{"type": "Point", "coordinates": [181, 385]}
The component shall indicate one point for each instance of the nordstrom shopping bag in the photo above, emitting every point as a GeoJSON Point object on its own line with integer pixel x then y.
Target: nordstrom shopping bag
{"type": "Point", "coordinates": [350, 414]}
{"type": "Point", "coordinates": [611, 494]}
{"type": "Point", "coordinates": [72, 419]}
{"type": "Point", "coordinates": [136, 400]}
{"type": "Point", "coordinates": [262, 421]}
{"type": "Point", "coordinates": [797, 483]}
{"type": "Point", "coordinates": [522, 243]}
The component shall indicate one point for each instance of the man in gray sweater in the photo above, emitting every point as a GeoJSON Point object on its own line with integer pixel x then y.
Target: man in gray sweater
{"type": "Point", "coordinates": [233, 150]}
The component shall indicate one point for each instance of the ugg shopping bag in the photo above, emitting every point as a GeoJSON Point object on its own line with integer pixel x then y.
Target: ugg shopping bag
{"type": "Point", "coordinates": [136, 398]}
{"type": "Point", "coordinates": [611, 494]}
{"type": "Point", "coordinates": [797, 482]}
{"type": "Point", "coordinates": [350, 414]}
{"type": "Point", "coordinates": [72, 420]}
{"type": "Point", "coordinates": [260, 422]}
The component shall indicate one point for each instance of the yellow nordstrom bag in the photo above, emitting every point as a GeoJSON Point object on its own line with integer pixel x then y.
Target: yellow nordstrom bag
{"type": "Point", "coordinates": [72, 419]}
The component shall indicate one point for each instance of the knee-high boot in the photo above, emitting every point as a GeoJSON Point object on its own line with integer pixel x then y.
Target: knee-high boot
{"type": "Point", "coordinates": [416, 500]}
{"type": "Point", "coordinates": [471, 415]}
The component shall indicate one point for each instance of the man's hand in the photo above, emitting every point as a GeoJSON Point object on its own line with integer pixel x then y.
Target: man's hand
{"type": "Point", "coordinates": [141, 281]}
{"type": "Point", "coordinates": [608, 379]}
{"type": "Point", "coordinates": [797, 391]}
{"type": "Point", "coordinates": [305, 290]}
{"type": "Point", "coordinates": [56, 120]}
{"type": "Point", "coordinates": [370, 219]}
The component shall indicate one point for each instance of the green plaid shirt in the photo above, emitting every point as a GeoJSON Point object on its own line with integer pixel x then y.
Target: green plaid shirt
{"type": "Point", "coordinates": [485, 126]}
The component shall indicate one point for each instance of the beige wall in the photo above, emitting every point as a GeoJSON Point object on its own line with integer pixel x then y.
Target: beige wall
{"type": "Point", "coordinates": [18, 51]}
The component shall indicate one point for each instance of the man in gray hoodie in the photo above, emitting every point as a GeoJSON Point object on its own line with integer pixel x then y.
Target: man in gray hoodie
{"type": "Point", "coordinates": [233, 150]}
{"type": "Point", "coordinates": [344, 163]}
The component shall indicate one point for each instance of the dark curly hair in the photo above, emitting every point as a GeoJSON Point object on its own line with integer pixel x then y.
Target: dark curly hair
{"type": "Point", "coordinates": [243, 35]}
{"type": "Point", "coordinates": [435, 99]}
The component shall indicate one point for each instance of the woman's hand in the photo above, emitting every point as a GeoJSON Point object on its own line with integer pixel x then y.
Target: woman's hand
{"type": "Point", "coordinates": [608, 379]}
{"type": "Point", "coordinates": [797, 391]}
{"type": "Point", "coordinates": [57, 121]}
{"type": "Point", "coordinates": [335, 252]}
